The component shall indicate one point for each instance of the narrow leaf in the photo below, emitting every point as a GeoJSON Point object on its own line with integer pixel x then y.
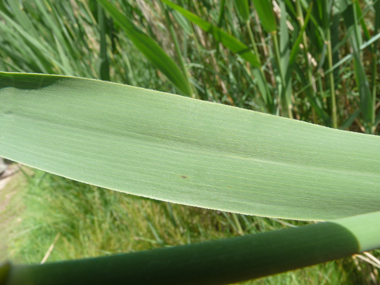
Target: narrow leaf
{"type": "Point", "coordinates": [265, 11]}
{"type": "Point", "coordinates": [366, 102]}
{"type": "Point", "coordinates": [350, 120]}
{"type": "Point", "coordinates": [314, 101]}
{"type": "Point", "coordinates": [227, 40]}
{"type": "Point", "coordinates": [242, 8]}
{"type": "Point", "coordinates": [149, 48]}
{"type": "Point", "coordinates": [104, 71]}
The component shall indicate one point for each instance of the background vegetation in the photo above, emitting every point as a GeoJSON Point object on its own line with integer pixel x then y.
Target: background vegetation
{"type": "Point", "coordinates": [314, 61]}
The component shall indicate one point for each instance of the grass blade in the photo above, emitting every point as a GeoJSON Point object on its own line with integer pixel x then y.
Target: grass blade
{"type": "Point", "coordinates": [221, 13]}
{"type": "Point", "coordinates": [235, 46]}
{"type": "Point", "coordinates": [150, 49]}
{"type": "Point", "coordinates": [265, 11]}
{"type": "Point", "coordinates": [227, 40]}
{"type": "Point", "coordinates": [177, 48]}
{"type": "Point", "coordinates": [314, 101]}
{"type": "Point", "coordinates": [186, 151]}
{"type": "Point", "coordinates": [104, 70]}
{"type": "Point", "coordinates": [242, 8]}
{"type": "Point", "coordinates": [366, 101]}
{"type": "Point", "coordinates": [350, 120]}
{"type": "Point", "coordinates": [284, 66]}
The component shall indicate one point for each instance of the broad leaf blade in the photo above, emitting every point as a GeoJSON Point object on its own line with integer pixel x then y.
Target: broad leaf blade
{"type": "Point", "coordinates": [186, 151]}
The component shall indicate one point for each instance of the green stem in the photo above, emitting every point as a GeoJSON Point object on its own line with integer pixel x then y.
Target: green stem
{"type": "Point", "coordinates": [237, 223]}
{"type": "Point", "coordinates": [253, 42]}
{"type": "Point", "coordinates": [331, 77]}
{"type": "Point", "coordinates": [374, 77]}
{"type": "Point", "coordinates": [308, 65]}
{"type": "Point", "coordinates": [287, 105]}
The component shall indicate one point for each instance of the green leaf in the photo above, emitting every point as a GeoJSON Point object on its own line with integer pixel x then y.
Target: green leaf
{"type": "Point", "coordinates": [322, 12]}
{"type": "Point", "coordinates": [315, 102]}
{"type": "Point", "coordinates": [221, 13]}
{"type": "Point", "coordinates": [242, 8]}
{"type": "Point", "coordinates": [42, 54]}
{"type": "Point", "coordinates": [286, 68]}
{"type": "Point", "coordinates": [350, 120]}
{"type": "Point", "coordinates": [227, 40]}
{"type": "Point", "coordinates": [149, 48]}
{"type": "Point", "coordinates": [366, 105]}
{"type": "Point", "coordinates": [186, 151]}
{"type": "Point", "coordinates": [366, 102]}
{"type": "Point", "coordinates": [104, 71]}
{"type": "Point", "coordinates": [183, 22]}
{"type": "Point", "coordinates": [284, 40]}
{"type": "Point", "coordinates": [265, 11]}
{"type": "Point", "coordinates": [223, 261]}
{"type": "Point", "coordinates": [360, 17]}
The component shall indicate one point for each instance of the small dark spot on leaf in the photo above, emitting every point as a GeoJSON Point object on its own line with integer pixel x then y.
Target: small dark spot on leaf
{"type": "Point", "coordinates": [229, 186]}
{"type": "Point", "coordinates": [183, 176]}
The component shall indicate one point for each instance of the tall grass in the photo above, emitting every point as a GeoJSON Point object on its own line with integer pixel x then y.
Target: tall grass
{"type": "Point", "coordinates": [314, 66]}
{"type": "Point", "coordinates": [85, 221]}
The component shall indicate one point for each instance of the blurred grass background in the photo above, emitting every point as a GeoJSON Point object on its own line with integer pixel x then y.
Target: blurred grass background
{"type": "Point", "coordinates": [315, 61]}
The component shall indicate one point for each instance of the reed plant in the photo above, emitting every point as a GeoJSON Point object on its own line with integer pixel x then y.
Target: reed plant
{"type": "Point", "coordinates": [311, 61]}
